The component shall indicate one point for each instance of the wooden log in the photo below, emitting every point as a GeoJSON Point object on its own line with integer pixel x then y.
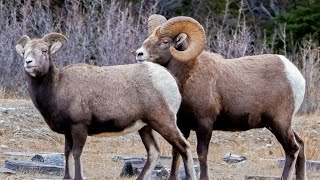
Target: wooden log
{"type": "Point", "coordinates": [7, 171]}
{"type": "Point", "coordinates": [309, 164]}
{"type": "Point", "coordinates": [133, 167]}
{"type": "Point", "coordinates": [34, 166]}
{"type": "Point", "coordinates": [258, 177]}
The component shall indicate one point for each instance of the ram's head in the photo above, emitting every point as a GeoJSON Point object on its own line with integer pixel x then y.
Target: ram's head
{"type": "Point", "coordinates": [181, 38]}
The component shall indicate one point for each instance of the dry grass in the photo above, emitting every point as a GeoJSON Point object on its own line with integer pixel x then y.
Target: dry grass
{"type": "Point", "coordinates": [27, 132]}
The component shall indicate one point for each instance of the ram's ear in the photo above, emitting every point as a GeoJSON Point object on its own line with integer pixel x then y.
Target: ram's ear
{"type": "Point", "coordinates": [55, 46]}
{"type": "Point", "coordinates": [21, 44]}
{"type": "Point", "coordinates": [181, 42]}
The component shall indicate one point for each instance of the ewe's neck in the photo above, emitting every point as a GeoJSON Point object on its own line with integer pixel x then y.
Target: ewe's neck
{"type": "Point", "coordinates": [42, 90]}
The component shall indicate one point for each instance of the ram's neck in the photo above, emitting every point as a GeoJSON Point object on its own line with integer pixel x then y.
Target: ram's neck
{"type": "Point", "coordinates": [180, 70]}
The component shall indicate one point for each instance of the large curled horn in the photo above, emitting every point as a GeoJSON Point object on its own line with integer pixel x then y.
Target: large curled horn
{"type": "Point", "coordinates": [193, 29]}
{"type": "Point", "coordinates": [154, 21]}
{"type": "Point", "coordinates": [23, 40]}
{"type": "Point", "coordinates": [54, 37]}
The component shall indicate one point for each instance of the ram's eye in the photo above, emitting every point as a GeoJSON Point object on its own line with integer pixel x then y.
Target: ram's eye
{"type": "Point", "coordinates": [44, 50]}
{"type": "Point", "coordinates": [165, 41]}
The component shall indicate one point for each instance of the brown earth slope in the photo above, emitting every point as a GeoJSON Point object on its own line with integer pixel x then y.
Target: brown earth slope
{"type": "Point", "coordinates": [22, 129]}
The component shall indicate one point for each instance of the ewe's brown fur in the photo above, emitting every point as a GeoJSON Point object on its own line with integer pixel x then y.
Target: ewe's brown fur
{"type": "Point", "coordinates": [80, 100]}
{"type": "Point", "coordinates": [229, 94]}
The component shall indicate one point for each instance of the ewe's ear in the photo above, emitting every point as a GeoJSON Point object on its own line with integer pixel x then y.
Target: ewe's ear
{"type": "Point", "coordinates": [55, 39]}
{"type": "Point", "coordinates": [181, 42]}
{"type": "Point", "coordinates": [55, 47]}
{"type": "Point", "coordinates": [133, 52]}
{"type": "Point", "coordinates": [21, 44]}
{"type": "Point", "coordinates": [19, 49]}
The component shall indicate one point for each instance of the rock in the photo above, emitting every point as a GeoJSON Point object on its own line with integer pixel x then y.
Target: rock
{"type": "Point", "coordinates": [4, 146]}
{"type": "Point", "coordinates": [127, 170]}
{"type": "Point", "coordinates": [6, 110]}
{"type": "Point", "coordinates": [162, 174]}
{"type": "Point", "coordinates": [52, 158]}
{"type": "Point", "coordinates": [232, 158]}
{"type": "Point", "coordinates": [268, 145]}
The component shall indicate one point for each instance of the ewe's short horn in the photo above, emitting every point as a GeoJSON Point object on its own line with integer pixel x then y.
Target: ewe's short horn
{"type": "Point", "coordinates": [194, 31]}
{"type": "Point", "coordinates": [154, 21]}
{"type": "Point", "coordinates": [23, 40]}
{"type": "Point", "coordinates": [54, 37]}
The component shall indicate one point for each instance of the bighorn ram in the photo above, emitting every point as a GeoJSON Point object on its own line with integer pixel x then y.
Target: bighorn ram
{"type": "Point", "coordinates": [226, 94]}
{"type": "Point", "coordinates": [80, 100]}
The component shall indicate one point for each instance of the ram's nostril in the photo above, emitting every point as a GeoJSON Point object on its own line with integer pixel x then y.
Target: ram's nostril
{"type": "Point", "coordinates": [28, 61]}
{"type": "Point", "coordinates": [140, 54]}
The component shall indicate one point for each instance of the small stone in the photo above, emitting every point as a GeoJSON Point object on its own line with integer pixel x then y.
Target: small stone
{"type": "Point", "coordinates": [4, 146]}
{"type": "Point", "coordinates": [268, 145]}
{"type": "Point", "coordinates": [232, 158]}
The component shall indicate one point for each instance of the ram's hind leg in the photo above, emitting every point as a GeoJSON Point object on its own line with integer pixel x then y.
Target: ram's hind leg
{"type": "Point", "coordinates": [151, 144]}
{"type": "Point", "coordinates": [301, 160]}
{"type": "Point", "coordinates": [286, 137]}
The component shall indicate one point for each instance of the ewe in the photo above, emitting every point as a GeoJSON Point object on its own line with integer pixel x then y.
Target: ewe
{"type": "Point", "coordinates": [226, 94]}
{"type": "Point", "coordinates": [80, 100]}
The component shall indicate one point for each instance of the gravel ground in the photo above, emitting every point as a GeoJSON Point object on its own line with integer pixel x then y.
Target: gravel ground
{"type": "Point", "coordinates": [22, 129]}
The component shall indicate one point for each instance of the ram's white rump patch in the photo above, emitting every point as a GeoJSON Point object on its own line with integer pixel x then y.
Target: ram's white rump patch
{"type": "Point", "coordinates": [297, 82]}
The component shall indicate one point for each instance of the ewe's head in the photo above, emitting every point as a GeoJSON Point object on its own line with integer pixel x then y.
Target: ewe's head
{"type": "Point", "coordinates": [36, 52]}
{"type": "Point", "coordinates": [181, 38]}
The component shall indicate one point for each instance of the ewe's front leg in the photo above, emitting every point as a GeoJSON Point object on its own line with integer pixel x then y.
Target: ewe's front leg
{"type": "Point", "coordinates": [175, 166]}
{"type": "Point", "coordinates": [67, 151]}
{"type": "Point", "coordinates": [151, 144]}
{"type": "Point", "coordinates": [79, 136]}
{"type": "Point", "coordinates": [301, 159]}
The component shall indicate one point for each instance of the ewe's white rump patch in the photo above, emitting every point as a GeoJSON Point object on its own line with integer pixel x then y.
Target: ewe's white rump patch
{"type": "Point", "coordinates": [297, 82]}
{"type": "Point", "coordinates": [165, 83]}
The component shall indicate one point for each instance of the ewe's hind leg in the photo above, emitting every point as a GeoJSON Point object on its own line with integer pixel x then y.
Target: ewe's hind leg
{"type": "Point", "coordinates": [285, 136]}
{"type": "Point", "coordinates": [175, 166]}
{"type": "Point", "coordinates": [168, 129]}
{"type": "Point", "coordinates": [151, 144]}
{"type": "Point", "coordinates": [301, 160]}
{"type": "Point", "coordinates": [67, 152]}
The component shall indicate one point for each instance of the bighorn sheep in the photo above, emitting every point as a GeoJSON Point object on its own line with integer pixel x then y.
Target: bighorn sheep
{"type": "Point", "coordinates": [226, 94]}
{"type": "Point", "coordinates": [80, 100]}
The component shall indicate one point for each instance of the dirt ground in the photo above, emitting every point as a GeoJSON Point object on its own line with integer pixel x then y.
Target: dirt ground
{"type": "Point", "coordinates": [22, 129]}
